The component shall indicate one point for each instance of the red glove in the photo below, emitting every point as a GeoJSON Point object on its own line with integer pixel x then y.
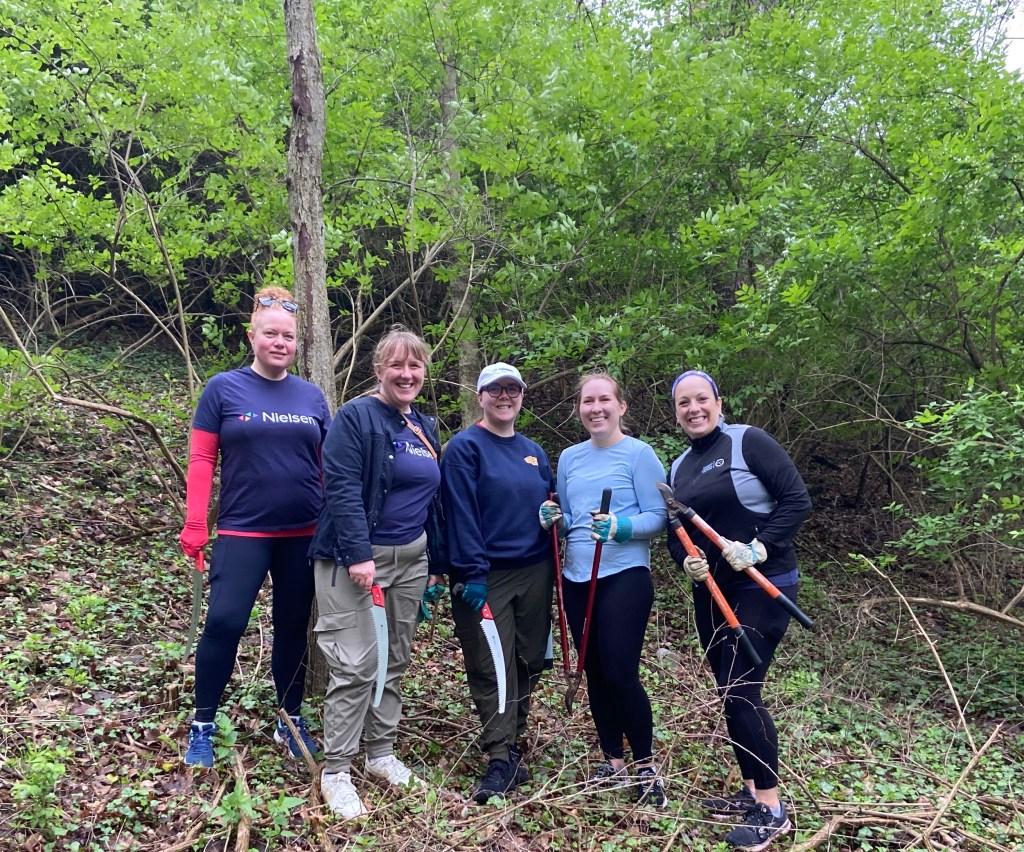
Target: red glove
{"type": "Point", "coordinates": [202, 459]}
{"type": "Point", "coordinates": [193, 539]}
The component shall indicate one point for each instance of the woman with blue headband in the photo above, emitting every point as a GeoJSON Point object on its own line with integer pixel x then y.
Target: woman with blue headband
{"type": "Point", "coordinates": [747, 488]}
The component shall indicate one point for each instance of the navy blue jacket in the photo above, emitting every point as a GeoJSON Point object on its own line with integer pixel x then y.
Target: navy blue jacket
{"type": "Point", "coordinates": [745, 486]}
{"type": "Point", "coordinates": [358, 463]}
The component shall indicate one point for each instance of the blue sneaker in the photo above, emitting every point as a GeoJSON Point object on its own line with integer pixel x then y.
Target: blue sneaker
{"type": "Point", "coordinates": [284, 736]}
{"type": "Point", "coordinates": [200, 745]}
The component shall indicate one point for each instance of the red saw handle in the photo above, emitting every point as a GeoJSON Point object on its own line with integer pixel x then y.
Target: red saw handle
{"type": "Point", "coordinates": [606, 504]}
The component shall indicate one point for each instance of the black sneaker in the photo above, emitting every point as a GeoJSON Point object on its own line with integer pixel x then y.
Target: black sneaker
{"type": "Point", "coordinates": [607, 777]}
{"type": "Point", "coordinates": [760, 827]}
{"type": "Point", "coordinates": [649, 789]}
{"type": "Point", "coordinates": [518, 771]}
{"type": "Point", "coordinates": [497, 781]}
{"type": "Point", "coordinates": [731, 805]}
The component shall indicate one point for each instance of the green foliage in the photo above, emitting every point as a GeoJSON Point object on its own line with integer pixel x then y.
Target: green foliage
{"type": "Point", "coordinates": [971, 461]}
{"type": "Point", "coordinates": [818, 203]}
{"type": "Point", "coordinates": [40, 769]}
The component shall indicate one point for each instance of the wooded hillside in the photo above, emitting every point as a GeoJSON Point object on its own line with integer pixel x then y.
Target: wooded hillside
{"type": "Point", "coordinates": [821, 204]}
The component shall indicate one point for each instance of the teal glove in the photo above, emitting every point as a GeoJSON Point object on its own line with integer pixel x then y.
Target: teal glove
{"type": "Point", "coordinates": [431, 595]}
{"type": "Point", "coordinates": [474, 595]}
{"type": "Point", "coordinates": [549, 514]}
{"type": "Point", "coordinates": [610, 527]}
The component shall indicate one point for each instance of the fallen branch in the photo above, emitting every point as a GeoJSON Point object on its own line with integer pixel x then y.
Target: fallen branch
{"type": "Point", "coordinates": [189, 839]}
{"type": "Point", "coordinates": [244, 820]}
{"type": "Point", "coordinates": [851, 820]}
{"type": "Point", "coordinates": [948, 800]}
{"type": "Point", "coordinates": [91, 406]}
{"type": "Point", "coordinates": [960, 606]}
{"type": "Point", "coordinates": [316, 796]}
{"type": "Point", "coordinates": [931, 647]}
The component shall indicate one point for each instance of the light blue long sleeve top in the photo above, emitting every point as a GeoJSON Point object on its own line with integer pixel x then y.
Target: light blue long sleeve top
{"type": "Point", "coordinates": [632, 470]}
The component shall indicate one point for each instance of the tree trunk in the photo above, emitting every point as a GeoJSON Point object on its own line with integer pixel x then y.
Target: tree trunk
{"type": "Point", "coordinates": [460, 289]}
{"type": "Point", "coordinates": [305, 204]}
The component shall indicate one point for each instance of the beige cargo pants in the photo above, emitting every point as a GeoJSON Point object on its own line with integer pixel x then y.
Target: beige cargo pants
{"type": "Point", "coordinates": [344, 633]}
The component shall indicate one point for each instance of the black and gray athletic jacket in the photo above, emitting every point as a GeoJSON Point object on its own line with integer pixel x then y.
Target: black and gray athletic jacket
{"type": "Point", "coordinates": [745, 486]}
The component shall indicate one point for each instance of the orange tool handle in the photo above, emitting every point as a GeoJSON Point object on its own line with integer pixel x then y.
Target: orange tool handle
{"type": "Point", "coordinates": [769, 587]}
{"type": "Point", "coordinates": [716, 594]}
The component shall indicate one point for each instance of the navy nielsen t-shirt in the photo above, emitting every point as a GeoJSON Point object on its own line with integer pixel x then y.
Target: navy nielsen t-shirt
{"type": "Point", "coordinates": [414, 481]}
{"type": "Point", "coordinates": [270, 436]}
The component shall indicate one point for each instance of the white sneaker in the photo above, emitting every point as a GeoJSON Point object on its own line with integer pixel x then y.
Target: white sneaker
{"type": "Point", "coordinates": [340, 795]}
{"type": "Point", "coordinates": [392, 770]}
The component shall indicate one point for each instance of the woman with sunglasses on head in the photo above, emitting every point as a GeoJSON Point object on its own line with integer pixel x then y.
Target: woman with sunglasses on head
{"type": "Point", "coordinates": [380, 527]}
{"type": "Point", "coordinates": [625, 592]}
{"type": "Point", "coordinates": [266, 426]}
{"type": "Point", "coordinates": [739, 480]}
{"type": "Point", "coordinates": [493, 479]}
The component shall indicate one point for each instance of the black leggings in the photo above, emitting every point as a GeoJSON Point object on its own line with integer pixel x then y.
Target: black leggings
{"type": "Point", "coordinates": [755, 741]}
{"type": "Point", "coordinates": [618, 701]}
{"type": "Point", "coordinates": [239, 565]}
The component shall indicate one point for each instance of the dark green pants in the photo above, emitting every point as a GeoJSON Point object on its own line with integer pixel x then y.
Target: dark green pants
{"type": "Point", "coordinates": [520, 600]}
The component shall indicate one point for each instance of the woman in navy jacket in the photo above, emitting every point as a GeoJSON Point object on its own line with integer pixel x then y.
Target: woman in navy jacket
{"type": "Point", "coordinates": [380, 527]}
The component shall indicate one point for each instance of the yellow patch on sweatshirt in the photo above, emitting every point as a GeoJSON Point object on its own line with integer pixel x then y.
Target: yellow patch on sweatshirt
{"type": "Point", "coordinates": [531, 460]}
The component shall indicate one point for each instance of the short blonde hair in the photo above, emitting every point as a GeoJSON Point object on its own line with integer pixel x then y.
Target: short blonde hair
{"type": "Point", "coordinates": [399, 340]}
{"type": "Point", "coordinates": [279, 293]}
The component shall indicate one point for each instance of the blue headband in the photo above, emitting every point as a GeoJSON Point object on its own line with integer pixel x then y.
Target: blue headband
{"type": "Point", "coordinates": [700, 373]}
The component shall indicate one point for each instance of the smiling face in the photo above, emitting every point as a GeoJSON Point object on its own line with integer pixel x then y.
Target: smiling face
{"type": "Point", "coordinates": [401, 378]}
{"type": "Point", "coordinates": [601, 411]}
{"type": "Point", "coordinates": [697, 409]}
{"type": "Point", "coordinates": [499, 413]}
{"type": "Point", "coordinates": [273, 340]}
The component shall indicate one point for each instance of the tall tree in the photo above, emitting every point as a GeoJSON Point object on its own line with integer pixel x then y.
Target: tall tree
{"type": "Point", "coordinates": [305, 204]}
{"type": "Point", "coordinates": [305, 196]}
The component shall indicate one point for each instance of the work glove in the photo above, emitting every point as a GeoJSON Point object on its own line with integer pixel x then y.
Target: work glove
{"type": "Point", "coordinates": [431, 595]}
{"type": "Point", "coordinates": [474, 595]}
{"type": "Point", "coordinates": [550, 513]}
{"type": "Point", "coordinates": [696, 567]}
{"type": "Point", "coordinates": [193, 538]}
{"type": "Point", "coordinates": [742, 556]}
{"type": "Point", "coordinates": [609, 527]}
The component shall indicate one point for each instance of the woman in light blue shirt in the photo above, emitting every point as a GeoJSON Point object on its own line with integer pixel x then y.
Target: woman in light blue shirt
{"type": "Point", "coordinates": [625, 592]}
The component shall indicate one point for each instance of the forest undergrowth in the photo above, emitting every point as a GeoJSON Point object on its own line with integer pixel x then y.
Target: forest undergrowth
{"type": "Point", "coordinates": [96, 696]}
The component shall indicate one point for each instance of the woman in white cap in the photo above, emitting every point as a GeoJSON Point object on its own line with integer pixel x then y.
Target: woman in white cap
{"type": "Point", "coordinates": [492, 480]}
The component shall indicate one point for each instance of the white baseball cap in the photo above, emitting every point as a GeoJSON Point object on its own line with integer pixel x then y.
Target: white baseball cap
{"type": "Point", "coordinates": [496, 372]}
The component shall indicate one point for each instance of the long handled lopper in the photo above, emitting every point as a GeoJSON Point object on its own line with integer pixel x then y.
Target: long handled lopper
{"type": "Point", "coordinates": [563, 631]}
{"type": "Point", "coordinates": [716, 593]}
{"type": "Point", "coordinates": [577, 676]}
{"type": "Point", "coordinates": [684, 511]}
